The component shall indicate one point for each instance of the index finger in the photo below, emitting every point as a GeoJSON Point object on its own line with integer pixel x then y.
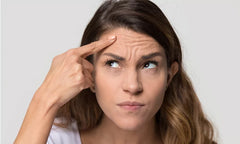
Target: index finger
{"type": "Point", "coordinates": [94, 47]}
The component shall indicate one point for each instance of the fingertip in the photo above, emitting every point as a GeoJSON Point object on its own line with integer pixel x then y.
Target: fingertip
{"type": "Point", "coordinates": [112, 38]}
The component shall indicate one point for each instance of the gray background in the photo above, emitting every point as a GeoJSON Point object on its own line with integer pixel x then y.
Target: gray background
{"type": "Point", "coordinates": [34, 31]}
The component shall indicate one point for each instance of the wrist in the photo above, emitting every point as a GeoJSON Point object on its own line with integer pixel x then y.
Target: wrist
{"type": "Point", "coordinates": [45, 101]}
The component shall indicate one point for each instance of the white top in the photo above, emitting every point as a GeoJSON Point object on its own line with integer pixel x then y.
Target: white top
{"type": "Point", "coordinates": [69, 135]}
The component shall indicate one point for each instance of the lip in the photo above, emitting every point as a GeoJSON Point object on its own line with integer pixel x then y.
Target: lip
{"type": "Point", "coordinates": [131, 105]}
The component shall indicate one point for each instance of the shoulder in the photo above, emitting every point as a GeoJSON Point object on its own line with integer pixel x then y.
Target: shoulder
{"type": "Point", "coordinates": [59, 135]}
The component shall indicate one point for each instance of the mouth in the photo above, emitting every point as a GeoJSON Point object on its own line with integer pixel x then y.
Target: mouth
{"type": "Point", "coordinates": [131, 106]}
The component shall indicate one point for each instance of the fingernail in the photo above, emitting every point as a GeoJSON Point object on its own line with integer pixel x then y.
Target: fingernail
{"type": "Point", "coordinates": [112, 38]}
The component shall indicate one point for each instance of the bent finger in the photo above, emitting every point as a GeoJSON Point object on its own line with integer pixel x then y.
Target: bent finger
{"type": "Point", "coordinates": [87, 65]}
{"type": "Point", "coordinates": [88, 75]}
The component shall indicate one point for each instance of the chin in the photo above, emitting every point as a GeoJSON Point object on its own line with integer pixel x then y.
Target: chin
{"type": "Point", "coordinates": [128, 124]}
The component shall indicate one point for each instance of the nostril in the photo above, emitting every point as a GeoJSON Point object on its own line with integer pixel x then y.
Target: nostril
{"type": "Point", "coordinates": [139, 92]}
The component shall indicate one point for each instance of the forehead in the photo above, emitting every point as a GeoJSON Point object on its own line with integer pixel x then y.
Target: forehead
{"type": "Point", "coordinates": [128, 40]}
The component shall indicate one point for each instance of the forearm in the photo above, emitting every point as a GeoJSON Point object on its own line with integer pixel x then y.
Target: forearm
{"type": "Point", "coordinates": [38, 120]}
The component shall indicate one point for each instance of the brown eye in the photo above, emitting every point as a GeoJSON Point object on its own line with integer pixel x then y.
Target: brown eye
{"type": "Point", "coordinates": [150, 64]}
{"type": "Point", "coordinates": [112, 63]}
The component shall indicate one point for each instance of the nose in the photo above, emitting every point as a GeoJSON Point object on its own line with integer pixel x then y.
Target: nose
{"type": "Point", "coordinates": [132, 83]}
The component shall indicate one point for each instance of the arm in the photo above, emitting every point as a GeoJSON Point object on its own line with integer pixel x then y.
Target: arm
{"type": "Point", "coordinates": [37, 122]}
{"type": "Point", "coordinates": [69, 74]}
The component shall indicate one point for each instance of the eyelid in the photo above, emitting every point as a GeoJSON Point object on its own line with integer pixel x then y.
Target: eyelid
{"type": "Point", "coordinates": [108, 60]}
{"type": "Point", "coordinates": [153, 61]}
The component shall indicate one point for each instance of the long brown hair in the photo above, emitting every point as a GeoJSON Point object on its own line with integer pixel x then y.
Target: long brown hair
{"type": "Point", "coordinates": [180, 118]}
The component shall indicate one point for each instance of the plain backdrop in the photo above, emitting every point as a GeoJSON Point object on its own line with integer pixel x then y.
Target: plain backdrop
{"type": "Point", "coordinates": [34, 31]}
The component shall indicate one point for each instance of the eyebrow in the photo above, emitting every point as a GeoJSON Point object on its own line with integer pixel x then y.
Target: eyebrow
{"type": "Point", "coordinates": [144, 57]}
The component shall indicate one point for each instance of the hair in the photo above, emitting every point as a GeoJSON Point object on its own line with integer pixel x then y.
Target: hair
{"type": "Point", "coordinates": [180, 119]}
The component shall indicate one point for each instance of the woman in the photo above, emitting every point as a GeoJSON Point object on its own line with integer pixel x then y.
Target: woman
{"type": "Point", "coordinates": [125, 84]}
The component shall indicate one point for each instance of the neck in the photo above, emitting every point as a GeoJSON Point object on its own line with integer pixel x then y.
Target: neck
{"type": "Point", "coordinates": [108, 132]}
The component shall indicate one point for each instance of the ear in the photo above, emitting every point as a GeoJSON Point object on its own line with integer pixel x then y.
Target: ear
{"type": "Point", "coordinates": [172, 71]}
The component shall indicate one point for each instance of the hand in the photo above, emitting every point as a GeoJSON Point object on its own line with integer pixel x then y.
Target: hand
{"type": "Point", "coordinates": [70, 72]}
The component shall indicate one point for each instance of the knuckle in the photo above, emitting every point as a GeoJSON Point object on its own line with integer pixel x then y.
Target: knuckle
{"type": "Point", "coordinates": [79, 80]}
{"type": "Point", "coordinates": [70, 53]}
{"type": "Point", "coordinates": [78, 68]}
{"type": "Point", "coordinates": [56, 58]}
{"type": "Point", "coordinates": [72, 56]}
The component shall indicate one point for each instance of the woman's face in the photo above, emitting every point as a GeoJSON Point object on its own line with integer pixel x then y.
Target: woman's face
{"type": "Point", "coordinates": [130, 78]}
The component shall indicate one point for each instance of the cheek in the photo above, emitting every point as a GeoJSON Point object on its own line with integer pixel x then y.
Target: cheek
{"type": "Point", "coordinates": [106, 82]}
{"type": "Point", "coordinates": [106, 87]}
{"type": "Point", "coordinates": [155, 83]}
{"type": "Point", "coordinates": [154, 89]}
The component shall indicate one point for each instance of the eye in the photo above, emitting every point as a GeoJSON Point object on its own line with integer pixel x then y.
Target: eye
{"type": "Point", "coordinates": [112, 63]}
{"type": "Point", "coordinates": [151, 64]}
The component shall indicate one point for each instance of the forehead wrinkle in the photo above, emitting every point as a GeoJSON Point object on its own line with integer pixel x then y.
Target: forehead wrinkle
{"type": "Point", "coordinates": [130, 44]}
{"type": "Point", "coordinates": [133, 45]}
{"type": "Point", "coordinates": [134, 40]}
{"type": "Point", "coordinates": [132, 52]}
{"type": "Point", "coordinates": [137, 48]}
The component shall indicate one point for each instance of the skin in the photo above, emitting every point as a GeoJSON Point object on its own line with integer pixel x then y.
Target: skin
{"type": "Point", "coordinates": [129, 78]}
{"type": "Point", "coordinates": [70, 73]}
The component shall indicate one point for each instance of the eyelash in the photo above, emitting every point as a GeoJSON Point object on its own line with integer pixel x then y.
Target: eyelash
{"type": "Point", "coordinates": [108, 62]}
